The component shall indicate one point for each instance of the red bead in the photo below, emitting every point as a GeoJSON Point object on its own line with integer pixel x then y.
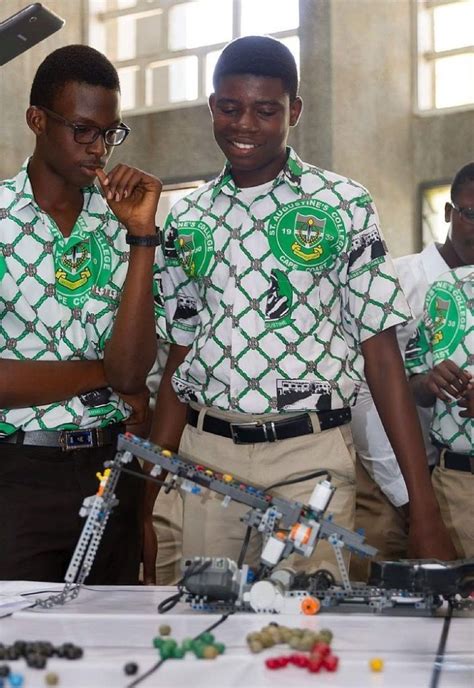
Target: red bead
{"type": "Point", "coordinates": [331, 662]}
{"type": "Point", "coordinates": [322, 649]}
{"type": "Point", "coordinates": [314, 665]}
{"type": "Point", "coordinates": [274, 663]}
{"type": "Point", "coordinates": [301, 661]}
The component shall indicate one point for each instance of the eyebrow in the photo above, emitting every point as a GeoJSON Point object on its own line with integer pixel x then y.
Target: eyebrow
{"type": "Point", "coordinates": [257, 102]}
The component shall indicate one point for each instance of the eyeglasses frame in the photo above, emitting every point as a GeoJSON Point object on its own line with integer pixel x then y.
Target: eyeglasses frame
{"type": "Point", "coordinates": [99, 132]}
{"type": "Point", "coordinates": [461, 212]}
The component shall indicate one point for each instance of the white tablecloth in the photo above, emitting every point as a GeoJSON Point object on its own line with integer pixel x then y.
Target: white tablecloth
{"type": "Point", "coordinates": [116, 625]}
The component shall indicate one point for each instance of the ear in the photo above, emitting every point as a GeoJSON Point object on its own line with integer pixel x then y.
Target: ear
{"type": "Point", "coordinates": [212, 104]}
{"type": "Point", "coordinates": [296, 107]}
{"type": "Point", "coordinates": [36, 120]}
{"type": "Point", "coordinates": [448, 209]}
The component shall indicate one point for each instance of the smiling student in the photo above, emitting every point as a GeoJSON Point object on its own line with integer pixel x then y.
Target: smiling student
{"type": "Point", "coordinates": [278, 292]}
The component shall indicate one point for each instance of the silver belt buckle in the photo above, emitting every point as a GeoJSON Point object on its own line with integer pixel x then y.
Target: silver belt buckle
{"type": "Point", "coordinates": [70, 440]}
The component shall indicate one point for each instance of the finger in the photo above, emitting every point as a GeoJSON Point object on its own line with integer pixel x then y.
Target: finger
{"type": "Point", "coordinates": [116, 181]}
{"type": "Point", "coordinates": [450, 384]}
{"type": "Point", "coordinates": [438, 390]}
{"type": "Point", "coordinates": [103, 179]}
{"type": "Point", "coordinates": [454, 374]}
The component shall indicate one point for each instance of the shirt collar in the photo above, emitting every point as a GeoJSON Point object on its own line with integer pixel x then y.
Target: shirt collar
{"type": "Point", "coordinates": [290, 174]}
{"type": "Point", "coordinates": [94, 203]}
{"type": "Point", "coordinates": [433, 262]}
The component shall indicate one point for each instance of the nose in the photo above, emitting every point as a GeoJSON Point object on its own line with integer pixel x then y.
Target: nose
{"type": "Point", "coordinates": [247, 121]}
{"type": "Point", "coordinates": [98, 147]}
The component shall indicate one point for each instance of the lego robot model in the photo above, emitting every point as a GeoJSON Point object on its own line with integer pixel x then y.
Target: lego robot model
{"type": "Point", "coordinates": [286, 526]}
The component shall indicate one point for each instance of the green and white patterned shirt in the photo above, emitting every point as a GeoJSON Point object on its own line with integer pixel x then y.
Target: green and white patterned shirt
{"type": "Point", "coordinates": [276, 295]}
{"type": "Point", "coordinates": [58, 297]}
{"type": "Point", "coordinates": [447, 331]}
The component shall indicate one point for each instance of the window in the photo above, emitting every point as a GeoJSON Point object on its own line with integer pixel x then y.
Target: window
{"type": "Point", "coordinates": [165, 50]}
{"type": "Point", "coordinates": [445, 31]}
{"type": "Point", "coordinates": [433, 224]}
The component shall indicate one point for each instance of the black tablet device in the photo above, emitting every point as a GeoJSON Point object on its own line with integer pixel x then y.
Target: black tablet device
{"type": "Point", "coordinates": [26, 28]}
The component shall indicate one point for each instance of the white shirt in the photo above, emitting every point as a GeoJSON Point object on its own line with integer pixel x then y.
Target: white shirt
{"type": "Point", "coordinates": [275, 289]}
{"type": "Point", "coordinates": [416, 273]}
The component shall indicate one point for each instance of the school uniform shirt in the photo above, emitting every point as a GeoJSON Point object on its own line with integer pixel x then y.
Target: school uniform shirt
{"type": "Point", "coordinates": [275, 292]}
{"type": "Point", "coordinates": [446, 331]}
{"type": "Point", "coordinates": [58, 298]}
{"type": "Point", "coordinates": [416, 273]}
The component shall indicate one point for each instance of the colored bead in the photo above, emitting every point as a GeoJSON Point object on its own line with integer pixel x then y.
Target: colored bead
{"type": "Point", "coordinates": [209, 652]}
{"type": "Point", "coordinates": [51, 679]}
{"type": "Point", "coordinates": [331, 662]}
{"type": "Point", "coordinates": [227, 478]}
{"type": "Point", "coordinates": [16, 680]}
{"type": "Point", "coordinates": [315, 664]}
{"type": "Point", "coordinates": [164, 629]}
{"type": "Point", "coordinates": [326, 635]}
{"type": "Point", "coordinates": [220, 647]}
{"type": "Point", "coordinates": [376, 664]}
{"type": "Point", "coordinates": [131, 668]}
{"type": "Point", "coordinates": [4, 670]}
{"type": "Point", "coordinates": [206, 638]}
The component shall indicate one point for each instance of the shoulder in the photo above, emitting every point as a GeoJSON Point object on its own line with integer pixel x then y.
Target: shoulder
{"type": "Point", "coordinates": [348, 188]}
{"type": "Point", "coordinates": [200, 197]}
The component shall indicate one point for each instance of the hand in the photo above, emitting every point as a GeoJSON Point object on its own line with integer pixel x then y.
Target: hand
{"type": "Point", "coordinates": [428, 538]}
{"type": "Point", "coordinates": [150, 550]}
{"type": "Point", "coordinates": [447, 381]}
{"type": "Point", "coordinates": [140, 404]}
{"type": "Point", "coordinates": [467, 402]}
{"type": "Point", "coordinates": [132, 196]}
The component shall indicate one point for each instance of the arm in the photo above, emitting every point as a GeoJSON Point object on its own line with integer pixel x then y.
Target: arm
{"type": "Point", "coordinates": [386, 378]}
{"type": "Point", "coordinates": [444, 381]}
{"type": "Point", "coordinates": [168, 424]}
{"type": "Point", "coordinates": [130, 352]}
{"type": "Point", "coordinates": [35, 383]}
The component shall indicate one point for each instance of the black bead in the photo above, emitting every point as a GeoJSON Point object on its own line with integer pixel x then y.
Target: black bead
{"type": "Point", "coordinates": [131, 668]}
{"type": "Point", "coordinates": [4, 670]}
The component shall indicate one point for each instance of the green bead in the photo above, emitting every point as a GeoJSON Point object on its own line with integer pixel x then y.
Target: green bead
{"type": "Point", "coordinates": [157, 642]}
{"type": "Point", "coordinates": [187, 644]}
{"type": "Point", "coordinates": [220, 647]}
{"type": "Point", "coordinates": [206, 638]}
{"type": "Point", "coordinates": [179, 653]}
{"type": "Point", "coordinates": [166, 652]}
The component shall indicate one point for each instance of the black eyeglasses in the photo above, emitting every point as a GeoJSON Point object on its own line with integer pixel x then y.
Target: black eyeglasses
{"type": "Point", "coordinates": [466, 213]}
{"type": "Point", "coordinates": [88, 133]}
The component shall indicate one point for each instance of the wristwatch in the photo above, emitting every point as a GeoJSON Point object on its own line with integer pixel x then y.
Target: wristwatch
{"type": "Point", "coordinates": [147, 240]}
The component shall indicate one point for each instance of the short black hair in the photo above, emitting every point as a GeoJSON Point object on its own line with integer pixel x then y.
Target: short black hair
{"type": "Point", "coordinates": [464, 176]}
{"type": "Point", "coordinates": [260, 56]}
{"type": "Point", "coordinates": [79, 63]}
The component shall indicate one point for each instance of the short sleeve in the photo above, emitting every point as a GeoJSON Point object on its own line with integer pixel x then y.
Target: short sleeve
{"type": "Point", "coordinates": [177, 301]}
{"type": "Point", "coordinates": [373, 300]}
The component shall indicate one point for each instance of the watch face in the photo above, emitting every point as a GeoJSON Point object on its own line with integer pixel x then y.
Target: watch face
{"type": "Point", "coordinates": [96, 397]}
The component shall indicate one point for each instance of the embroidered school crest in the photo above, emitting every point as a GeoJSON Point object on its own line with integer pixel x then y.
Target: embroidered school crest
{"type": "Point", "coordinates": [81, 266]}
{"type": "Point", "coordinates": [307, 235]}
{"type": "Point", "coordinates": [195, 247]}
{"type": "Point", "coordinates": [445, 319]}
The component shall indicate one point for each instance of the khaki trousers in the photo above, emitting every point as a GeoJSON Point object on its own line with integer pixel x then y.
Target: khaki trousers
{"type": "Point", "coordinates": [168, 524]}
{"type": "Point", "coordinates": [209, 529]}
{"type": "Point", "coordinates": [385, 526]}
{"type": "Point", "coordinates": [455, 494]}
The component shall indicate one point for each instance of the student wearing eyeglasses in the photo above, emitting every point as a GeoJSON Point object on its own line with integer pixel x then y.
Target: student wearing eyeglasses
{"type": "Point", "coordinates": [69, 256]}
{"type": "Point", "coordinates": [381, 491]}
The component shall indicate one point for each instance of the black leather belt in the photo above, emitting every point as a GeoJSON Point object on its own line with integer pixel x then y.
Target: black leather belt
{"type": "Point", "coordinates": [67, 440]}
{"type": "Point", "coordinates": [454, 460]}
{"type": "Point", "coordinates": [271, 430]}
{"type": "Point", "coordinates": [459, 462]}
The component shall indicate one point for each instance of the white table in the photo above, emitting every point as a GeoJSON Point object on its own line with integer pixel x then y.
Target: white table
{"type": "Point", "coordinates": [117, 625]}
